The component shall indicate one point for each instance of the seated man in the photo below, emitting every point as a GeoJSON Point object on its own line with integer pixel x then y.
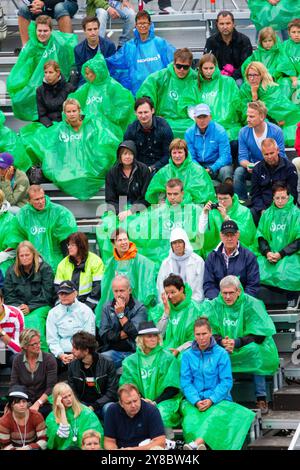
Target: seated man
{"type": "Point", "coordinates": [66, 319]}
{"type": "Point", "coordinates": [45, 224]}
{"type": "Point", "coordinates": [184, 262]}
{"type": "Point", "coordinates": [273, 168]}
{"type": "Point", "coordinates": [91, 376]}
{"type": "Point", "coordinates": [119, 322]}
{"type": "Point", "coordinates": [128, 261]}
{"type": "Point", "coordinates": [139, 57]}
{"type": "Point", "coordinates": [176, 315]}
{"type": "Point", "coordinates": [13, 182]}
{"type": "Point", "coordinates": [131, 421]}
{"type": "Point", "coordinates": [91, 45]}
{"type": "Point", "coordinates": [250, 139]}
{"type": "Point", "coordinates": [278, 237]}
{"type": "Point", "coordinates": [227, 207]}
{"type": "Point", "coordinates": [11, 326]}
{"type": "Point", "coordinates": [168, 87]}
{"type": "Point", "coordinates": [152, 135]}
{"type": "Point", "coordinates": [229, 46]}
{"type": "Point", "coordinates": [241, 324]}
{"type": "Point", "coordinates": [209, 145]}
{"type": "Point", "coordinates": [61, 10]}
{"type": "Point", "coordinates": [114, 9]}
{"type": "Point", "coordinates": [230, 257]}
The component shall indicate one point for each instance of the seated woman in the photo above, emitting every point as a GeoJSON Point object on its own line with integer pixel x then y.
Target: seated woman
{"type": "Point", "coordinates": [198, 186]}
{"type": "Point", "coordinates": [104, 97]}
{"type": "Point", "coordinates": [155, 372]}
{"type": "Point", "coordinates": [7, 253]}
{"type": "Point", "coordinates": [75, 153]}
{"type": "Point", "coordinates": [28, 285]}
{"type": "Point", "coordinates": [259, 85]}
{"type": "Point", "coordinates": [52, 94]}
{"type": "Point", "coordinates": [35, 370]}
{"type": "Point", "coordinates": [278, 237]}
{"type": "Point", "coordinates": [21, 428]}
{"type": "Point", "coordinates": [84, 268]}
{"type": "Point", "coordinates": [209, 415]}
{"type": "Point", "coordinates": [183, 261]}
{"type": "Point", "coordinates": [69, 419]}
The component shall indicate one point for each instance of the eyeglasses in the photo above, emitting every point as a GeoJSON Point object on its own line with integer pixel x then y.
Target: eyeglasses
{"type": "Point", "coordinates": [182, 66]}
{"type": "Point", "coordinates": [143, 24]}
{"type": "Point", "coordinates": [253, 75]}
{"type": "Point", "coordinates": [280, 198]}
{"type": "Point", "coordinates": [71, 244]}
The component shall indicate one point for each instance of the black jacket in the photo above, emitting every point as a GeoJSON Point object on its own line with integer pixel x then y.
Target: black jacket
{"type": "Point", "coordinates": [235, 53]}
{"type": "Point", "coordinates": [105, 377]}
{"type": "Point", "coordinates": [83, 52]}
{"type": "Point", "coordinates": [134, 187]}
{"type": "Point", "coordinates": [50, 99]}
{"type": "Point", "coordinates": [153, 146]}
{"type": "Point", "coordinates": [264, 176]}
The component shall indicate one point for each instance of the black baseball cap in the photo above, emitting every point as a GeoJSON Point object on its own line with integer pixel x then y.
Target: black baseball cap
{"type": "Point", "coordinates": [229, 226]}
{"type": "Point", "coordinates": [66, 287]}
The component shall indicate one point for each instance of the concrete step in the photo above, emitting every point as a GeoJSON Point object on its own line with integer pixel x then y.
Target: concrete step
{"type": "Point", "coordinates": [270, 443]}
{"type": "Point", "coordinates": [280, 420]}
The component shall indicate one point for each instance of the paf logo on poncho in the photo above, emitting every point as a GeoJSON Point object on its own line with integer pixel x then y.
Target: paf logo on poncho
{"type": "Point", "coordinates": [227, 322]}
{"type": "Point", "coordinates": [65, 138]}
{"type": "Point", "coordinates": [147, 373]}
{"type": "Point", "coordinates": [276, 227]}
{"type": "Point", "coordinates": [48, 52]}
{"type": "Point", "coordinates": [174, 95]}
{"type": "Point", "coordinates": [94, 99]}
{"type": "Point", "coordinates": [36, 230]}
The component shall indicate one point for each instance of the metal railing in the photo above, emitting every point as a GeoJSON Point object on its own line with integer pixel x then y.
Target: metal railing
{"type": "Point", "coordinates": [295, 443]}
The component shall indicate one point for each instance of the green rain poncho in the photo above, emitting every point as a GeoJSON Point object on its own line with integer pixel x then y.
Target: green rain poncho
{"type": "Point", "coordinates": [262, 13]}
{"type": "Point", "coordinates": [197, 184]}
{"type": "Point", "coordinates": [6, 239]}
{"type": "Point", "coordinates": [280, 227]}
{"type": "Point", "coordinates": [152, 373]}
{"type": "Point", "coordinates": [180, 328]}
{"type": "Point", "coordinates": [241, 215]}
{"type": "Point", "coordinates": [246, 316]}
{"type": "Point", "coordinates": [221, 94]}
{"type": "Point", "coordinates": [292, 51]}
{"type": "Point", "coordinates": [166, 91]}
{"type": "Point", "coordinates": [86, 420]}
{"type": "Point", "coordinates": [141, 274]}
{"type": "Point", "coordinates": [28, 73]}
{"type": "Point", "coordinates": [279, 107]}
{"type": "Point", "coordinates": [105, 98]}
{"type": "Point", "coordinates": [45, 229]}
{"type": "Point", "coordinates": [10, 142]}
{"type": "Point", "coordinates": [76, 161]}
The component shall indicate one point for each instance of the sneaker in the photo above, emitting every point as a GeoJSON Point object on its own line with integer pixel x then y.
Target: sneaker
{"type": "Point", "coordinates": [170, 444]}
{"type": "Point", "coordinates": [262, 405]}
{"type": "Point", "coordinates": [168, 10]}
{"type": "Point", "coordinates": [193, 446]}
{"type": "Point", "coordinates": [292, 304]}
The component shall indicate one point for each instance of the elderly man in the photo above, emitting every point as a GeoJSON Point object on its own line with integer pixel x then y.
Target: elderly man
{"type": "Point", "coordinates": [230, 47]}
{"type": "Point", "coordinates": [133, 424]}
{"type": "Point", "coordinates": [208, 144]}
{"type": "Point", "coordinates": [13, 182]}
{"type": "Point", "coordinates": [45, 224]}
{"type": "Point", "coordinates": [240, 323]}
{"type": "Point", "coordinates": [66, 319]}
{"type": "Point", "coordinates": [273, 168]}
{"type": "Point", "coordinates": [230, 257]}
{"type": "Point", "coordinates": [120, 321]}
{"type": "Point", "coordinates": [250, 139]}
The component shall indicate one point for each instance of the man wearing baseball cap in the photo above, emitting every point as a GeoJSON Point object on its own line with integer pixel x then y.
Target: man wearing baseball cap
{"type": "Point", "coordinates": [66, 319]}
{"type": "Point", "coordinates": [13, 182]}
{"type": "Point", "coordinates": [230, 258]}
{"type": "Point", "coordinates": [208, 144]}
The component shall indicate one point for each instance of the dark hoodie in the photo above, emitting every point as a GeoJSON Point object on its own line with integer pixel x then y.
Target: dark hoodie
{"type": "Point", "coordinates": [133, 187]}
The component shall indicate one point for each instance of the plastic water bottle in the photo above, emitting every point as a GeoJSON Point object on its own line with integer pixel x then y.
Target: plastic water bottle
{"type": "Point", "coordinates": [141, 5]}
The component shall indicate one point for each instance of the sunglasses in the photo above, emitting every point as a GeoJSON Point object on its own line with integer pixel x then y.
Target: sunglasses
{"type": "Point", "coordinates": [182, 66]}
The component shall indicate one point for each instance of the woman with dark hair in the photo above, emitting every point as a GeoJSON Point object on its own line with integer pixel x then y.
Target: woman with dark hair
{"type": "Point", "coordinates": [21, 428]}
{"type": "Point", "coordinates": [28, 285]}
{"type": "Point", "coordinates": [52, 93]}
{"type": "Point", "coordinates": [82, 267]}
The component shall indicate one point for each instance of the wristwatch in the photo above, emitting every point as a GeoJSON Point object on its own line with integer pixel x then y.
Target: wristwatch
{"type": "Point", "coordinates": [120, 315]}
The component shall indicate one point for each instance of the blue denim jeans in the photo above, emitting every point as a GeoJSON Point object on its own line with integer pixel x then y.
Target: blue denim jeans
{"type": "Point", "coordinates": [116, 356]}
{"type": "Point", "coordinates": [65, 8]}
{"type": "Point", "coordinates": [241, 175]}
{"type": "Point", "coordinates": [260, 385]}
{"type": "Point", "coordinates": [127, 15]}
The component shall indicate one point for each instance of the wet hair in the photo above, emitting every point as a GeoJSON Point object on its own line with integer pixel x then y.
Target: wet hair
{"type": "Point", "coordinates": [174, 280]}
{"type": "Point", "coordinates": [89, 19]}
{"type": "Point", "coordinates": [81, 241]}
{"type": "Point", "coordinates": [202, 321]}
{"type": "Point", "coordinates": [225, 188]}
{"type": "Point", "coordinates": [143, 100]}
{"type": "Point", "coordinates": [183, 54]}
{"type": "Point", "coordinates": [83, 340]}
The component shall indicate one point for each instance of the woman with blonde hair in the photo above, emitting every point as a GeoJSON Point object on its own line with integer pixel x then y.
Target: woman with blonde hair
{"type": "Point", "coordinates": [28, 285]}
{"type": "Point", "coordinates": [69, 419]}
{"type": "Point", "coordinates": [259, 85]}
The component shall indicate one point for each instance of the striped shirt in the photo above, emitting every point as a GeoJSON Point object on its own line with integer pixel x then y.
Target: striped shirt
{"type": "Point", "coordinates": [13, 325]}
{"type": "Point", "coordinates": [11, 436]}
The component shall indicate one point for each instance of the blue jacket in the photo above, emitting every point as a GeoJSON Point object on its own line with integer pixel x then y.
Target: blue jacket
{"type": "Point", "coordinates": [83, 53]}
{"type": "Point", "coordinates": [137, 59]}
{"type": "Point", "coordinates": [244, 266]}
{"type": "Point", "coordinates": [264, 176]}
{"type": "Point", "coordinates": [211, 149]}
{"type": "Point", "coordinates": [206, 374]}
{"type": "Point", "coordinates": [248, 149]}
